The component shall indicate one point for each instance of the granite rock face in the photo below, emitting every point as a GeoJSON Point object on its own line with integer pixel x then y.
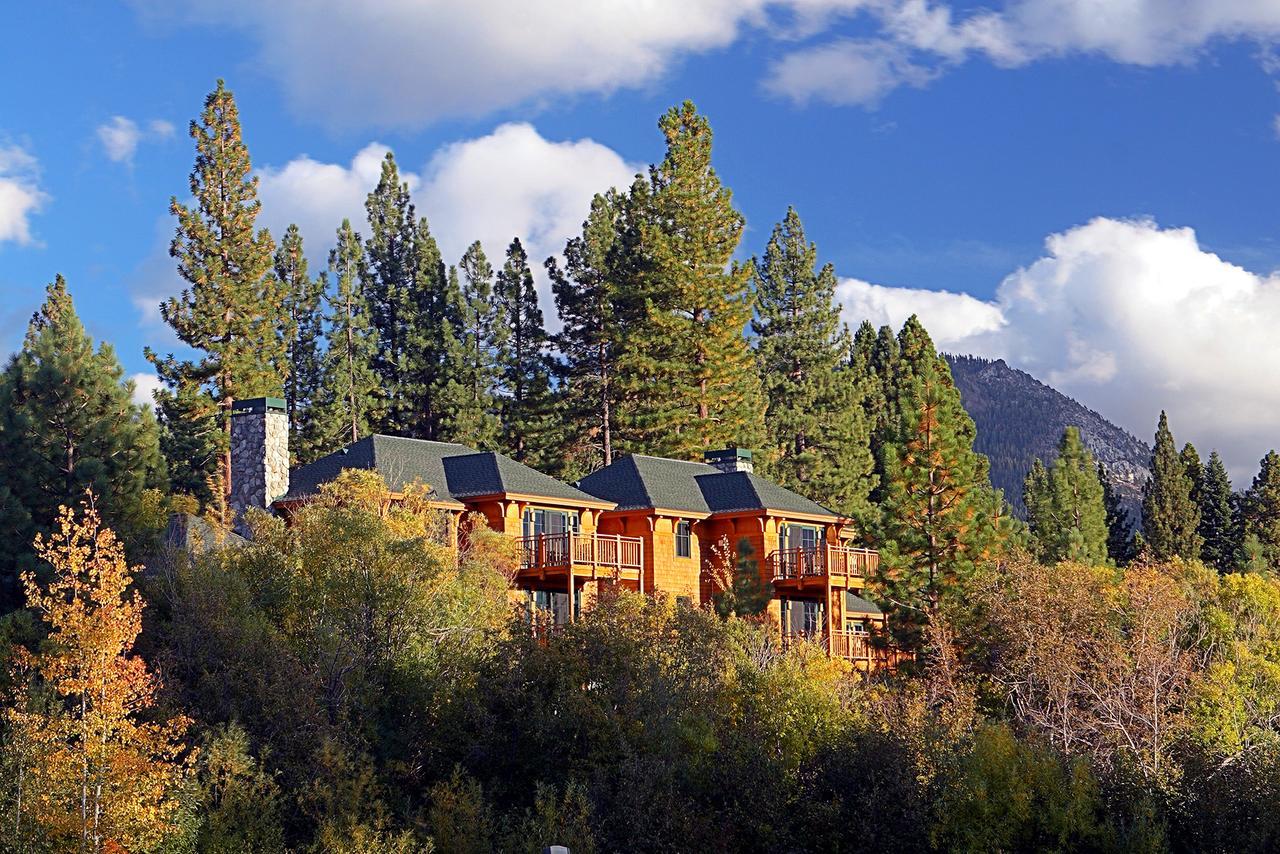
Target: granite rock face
{"type": "Point", "coordinates": [1020, 418]}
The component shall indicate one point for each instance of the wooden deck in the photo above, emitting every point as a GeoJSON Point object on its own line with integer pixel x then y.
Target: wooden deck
{"type": "Point", "coordinates": [584, 554]}
{"type": "Point", "coordinates": [852, 646]}
{"type": "Point", "coordinates": [837, 562]}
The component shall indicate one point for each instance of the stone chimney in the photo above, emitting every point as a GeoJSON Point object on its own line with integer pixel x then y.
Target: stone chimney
{"type": "Point", "coordinates": [730, 459]}
{"type": "Point", "coordinates": [259, 453]}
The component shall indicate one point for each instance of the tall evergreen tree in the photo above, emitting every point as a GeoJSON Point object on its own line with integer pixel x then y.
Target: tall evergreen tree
{"type": "Point", "coordinates": [687, 372]}
{"type": "Point", "coordinates": [876, 362]}
{"type": "Point", "coordinates": [67, 424]}
{"type": "Point", "coordinates": [940, 519]}
{"type": "Point", "coordinates": [388, 272]}
{"type": "Point", "coordinates": [350, 396]}
{"type": "Point", "coordinates": [1120, 535]}
{"type": "Point", "coordinates": [434, 355]}
{"type": "Point", "coordinates": [862, 351]}
{"type": "Point", "coordinates": [303, 331]}
{"type": "Point", "coordinates": [1066, 509]}
{"type": "Point", "coordinates": [1260, 511]}
{"type": "Point", "coordinates": [464, 399]}
{"type": "Point", "coordinates": [1169, 517]}
{"type": "Point", "coordinates": [407, 288]}
{"type": "Point", "coordinates": [1035, 493]}
{"type": "Point", "coordinates": [523, 363]}
{"type": "Point", "coordinates": [232, 313]}
{"type": "Point", "coordinates": [886, 361]}
{"type": "Point", "coordinates": [482, 335]}
{"type": "Point", "coordinates": [591, 313]}
{"type": "Point", "coordinates": [1195, 470]}
{"type": "Point", "coordinates": [1218, 529]}
{"type": "Point", "coordinates": [818, 439]}
{"type": "Point", "coordinates": [388, 288]}
{"type": "Point", "coordinates": [191, 441]}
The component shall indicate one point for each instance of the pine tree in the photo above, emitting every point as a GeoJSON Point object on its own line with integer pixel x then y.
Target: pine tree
{"type": "Point", "coordinates": [1261, 510]}
{"type": "Point", "coordinates": [740, 589]}
{"type": "Point", "coordinates": [862, 351]}
{"type": "Point", "coordinates": [232, 313]}
{"type": "Point", "coordinates": [588, 301]}
{"type": "Point", "coordinates": [484, 335]}
{"type": "Point", "coordinates": [433, 349]}
{"type": "Point", "coordinates": [1066, 509]}
{"type": "Point", "coordinates": [302, 334]}
{"type": "Point", "coordinates": [350, 396]}
{"type": "Point", "coordinates": [1195, 470]}
{"type": "Point", "coordinates": [940, 519]}
{"type": "Point", "coordinates": [464, 400]}
{"type": "Point", "coordinates": [1169, 516]}
{"type": "Point", "coordinates": [1121, 547]}
{"type": "Point", "coordinates": [1035, 494]}
{"type": "Point", "coordinates": [818, 440]}
{"type": "Point", "coordinates": [1218, 530]}
{"type": "Point", "coordinates": [878, 351]}
{"type": "Point", "coordinates": [406, 286]}
{"type": "Point", "coordinates": [523, 363]}
{"type": "Point", "coordinates": [686, 370]}
{"type": "Point", "coordinates": [916, 352]}
{"type": "Point", "coordinates": [191, 439]}
{"type": "Point", "coordinates": [67, 424]}
{"type": "Point", "coordinates": [388, 289]}
{"type": "Point", "coordinates": [886, 365]}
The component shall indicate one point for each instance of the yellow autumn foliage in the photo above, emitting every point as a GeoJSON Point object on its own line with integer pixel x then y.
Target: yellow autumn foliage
{"type": "Point", "coordinates": [96, 771]}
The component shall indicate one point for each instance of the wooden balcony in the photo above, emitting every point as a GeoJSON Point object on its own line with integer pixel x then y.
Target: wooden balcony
{"type": "Point", "coordinates": [582, 554]}
{"type": "Point", "coordinates": [839, 563]}
{"type": "Point", "coordinates": [852, 646]}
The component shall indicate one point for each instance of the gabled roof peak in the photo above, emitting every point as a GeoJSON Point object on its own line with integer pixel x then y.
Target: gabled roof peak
{"type": "Point", "coordinates": [641, 481]}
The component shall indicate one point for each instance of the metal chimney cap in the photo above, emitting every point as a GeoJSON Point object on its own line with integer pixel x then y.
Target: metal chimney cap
{"type": "Point", "coordinates": [259, 405]}
{"type": "Point", "coordinates": [730, 453]}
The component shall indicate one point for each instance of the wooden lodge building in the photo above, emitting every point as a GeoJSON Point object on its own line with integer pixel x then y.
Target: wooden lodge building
{"type": "Point", "coordinates": [646, 523]}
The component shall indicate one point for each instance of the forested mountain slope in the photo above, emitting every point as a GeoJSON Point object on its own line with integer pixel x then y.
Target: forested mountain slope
{"type": "Point", "coordinates": [1020, 418]}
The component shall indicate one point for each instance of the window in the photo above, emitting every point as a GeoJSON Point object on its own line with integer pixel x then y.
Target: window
{"type": "Point", "coordinates": [812, 615]}
{"type": "Point", "coordinates": [684, 540]}
{"type": "Point", "coordinates": [857, 627]}
{"type": "Point", "coordinates": [538, 522]}
{"type": "Point", "coordinates": [552, 606]}
{"type": "Point", "coordinates": [804, 537]}
{"type": "Point", "coordinates": [803, 617]}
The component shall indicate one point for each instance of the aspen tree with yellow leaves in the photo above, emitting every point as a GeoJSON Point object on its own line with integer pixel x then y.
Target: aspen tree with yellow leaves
{"type": "Point", "coordinates": [93, 768]}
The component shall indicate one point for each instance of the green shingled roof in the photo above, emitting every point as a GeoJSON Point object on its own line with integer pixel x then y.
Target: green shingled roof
{"type": "Point", "coordinates": [639, 482]}
{"type": "Point", "coordinates": [453, 471]}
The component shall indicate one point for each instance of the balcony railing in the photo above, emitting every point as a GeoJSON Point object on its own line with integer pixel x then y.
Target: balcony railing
{"type": "Point", "coordinates": [601, 551]}
{"type": "Point", "coordinates": [855, 646]}
{"type": "Point", "coordinates": [818, 561]}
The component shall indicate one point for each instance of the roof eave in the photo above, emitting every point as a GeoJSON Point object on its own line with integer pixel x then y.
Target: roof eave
{"type": "Point", "coordinates": [586, 501]}
{"type": "Point", "coordinates": [663, 511]}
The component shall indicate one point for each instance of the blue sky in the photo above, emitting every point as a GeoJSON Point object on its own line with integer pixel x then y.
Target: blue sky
{"type": "Point", "coordinates": [1084, 187]}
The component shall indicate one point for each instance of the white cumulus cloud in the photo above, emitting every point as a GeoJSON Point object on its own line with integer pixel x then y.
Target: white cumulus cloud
{"type": "Point", "coordinates": [512, 182]}
{"type": "Point", "coordinates": [121, 136]}
{"type": "Point", "coordinates": [515, 183]}
{"type": "Point", "coordinates": [407, 62]}
{"type": "Point", "coordinates": [317, 196]}
{"type": "Point", "coordinates": [20, 194]}
{"type": "Point", "coordinates": [846, 72]}
{"type": "Point", "coordinates": [951, 318]}
{"type": "Point", "coordinates": [145, 385]}
{"type": "Point", "coordinates": [924, 38]}
{"type": "Point", "coordinates": [1129, 318]}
